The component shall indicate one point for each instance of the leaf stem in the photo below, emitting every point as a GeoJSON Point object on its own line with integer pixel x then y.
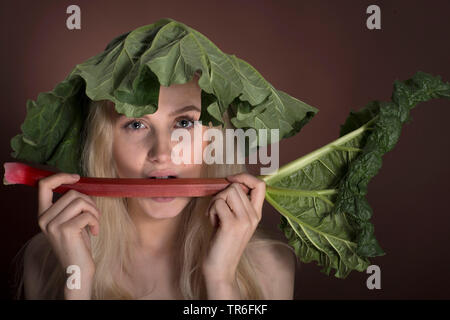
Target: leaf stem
{"type": "Point", "coordinates": [312, 156]}
{"type": "Point", "coordinates": [305, 193]}
{"type": "Point", "coordinates": [298, 192]}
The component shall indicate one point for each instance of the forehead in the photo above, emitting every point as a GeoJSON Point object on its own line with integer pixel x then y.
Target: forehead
{"type": "Point", "coordinates": [177, 94]}
{"type": "Point", "coordinates": [178, 98]}
{"type": "Point", "coordinates": [171, 111]}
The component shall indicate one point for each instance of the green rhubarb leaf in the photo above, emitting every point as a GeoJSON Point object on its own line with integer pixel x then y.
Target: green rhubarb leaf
{"type": "Point", "coordinates": [52, 129]}
{"type": "Point", "coordinates": [130, 71]}
{"type": "Point", "coordinates": [321, 196]}
{"type": "Point", "coordinates": [135, 64]}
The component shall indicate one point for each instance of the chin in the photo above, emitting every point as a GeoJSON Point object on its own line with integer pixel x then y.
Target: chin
{"type": "Point", "coordinates": [164, 208]}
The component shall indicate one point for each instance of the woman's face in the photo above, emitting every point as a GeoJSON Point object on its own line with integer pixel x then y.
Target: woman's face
{"type": "Point", "coordinates": [142, 146]}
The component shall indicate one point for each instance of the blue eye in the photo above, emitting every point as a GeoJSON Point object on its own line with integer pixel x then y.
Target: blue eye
{"type": "Point", "coordinates": [132, 125]}
{"type": "Point", "coordinates": [185, 123]}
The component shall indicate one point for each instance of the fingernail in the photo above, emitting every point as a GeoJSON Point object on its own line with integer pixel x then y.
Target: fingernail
{"type": "Point", "coordinates": [75, 176]}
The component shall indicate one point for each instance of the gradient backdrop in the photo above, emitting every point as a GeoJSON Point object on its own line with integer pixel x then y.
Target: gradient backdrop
{"type": "Point", "coordinates": [318, 51]}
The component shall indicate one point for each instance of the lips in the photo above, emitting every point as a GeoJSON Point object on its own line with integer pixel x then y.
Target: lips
{"type": "Point", "coordinates": [162, 174]}
{"type": "Point", "coordinates": [163, 177]}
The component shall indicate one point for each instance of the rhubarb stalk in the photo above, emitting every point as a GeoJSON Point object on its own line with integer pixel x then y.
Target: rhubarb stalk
{"type": "Point", "coordinates": [19, 173]}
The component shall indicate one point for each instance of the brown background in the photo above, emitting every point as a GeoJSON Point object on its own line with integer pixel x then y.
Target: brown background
{"type": "Point", "coordinates": [318, 51]}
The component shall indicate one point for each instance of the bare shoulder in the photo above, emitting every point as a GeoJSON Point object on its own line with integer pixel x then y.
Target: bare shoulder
{"type": "Point", "coordinates": [33, 266]}
{"type": "Point", "coordinates": [275, 266]}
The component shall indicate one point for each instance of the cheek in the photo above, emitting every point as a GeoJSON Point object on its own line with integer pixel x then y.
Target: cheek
{"type": "Point", "coordinates": [196, 170]}
{"type": "Point", "coordinates": [127, 156]}
{"type": "Point", "coordinates": [194, 144]}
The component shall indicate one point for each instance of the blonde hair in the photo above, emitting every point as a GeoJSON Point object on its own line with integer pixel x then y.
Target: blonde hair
{"type": "Point", "coordinates": [109, 249]}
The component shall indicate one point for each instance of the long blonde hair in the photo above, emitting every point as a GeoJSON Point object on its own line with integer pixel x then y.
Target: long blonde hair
{"type": "Point", "coordinates": [112, 247]}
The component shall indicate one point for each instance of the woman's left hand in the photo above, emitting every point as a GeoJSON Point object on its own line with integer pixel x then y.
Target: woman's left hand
{"type": "Point", "coordinates": [235, 216]}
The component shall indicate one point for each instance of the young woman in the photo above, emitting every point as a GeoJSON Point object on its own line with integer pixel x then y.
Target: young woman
{"type": "Point", "coordinates": [154, 248]}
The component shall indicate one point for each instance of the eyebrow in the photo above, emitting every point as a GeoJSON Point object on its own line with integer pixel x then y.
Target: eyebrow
{"type": "Point", "coordinates": [185, 109]}
{"type": "Point", "coordinates": [179, 111]}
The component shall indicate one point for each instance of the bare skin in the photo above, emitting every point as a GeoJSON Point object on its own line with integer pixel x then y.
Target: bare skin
{"type": "Point", "coordinates": [276, 274]}
{"type": "Point", "coordinates": [142, 148]}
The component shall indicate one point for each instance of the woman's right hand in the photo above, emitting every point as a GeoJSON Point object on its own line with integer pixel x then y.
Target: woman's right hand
{"type": "Point", "coordinates": [64, 224]}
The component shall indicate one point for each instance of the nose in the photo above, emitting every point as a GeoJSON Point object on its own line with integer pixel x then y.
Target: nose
{"type": "Point", "coordinates": [161, 149]}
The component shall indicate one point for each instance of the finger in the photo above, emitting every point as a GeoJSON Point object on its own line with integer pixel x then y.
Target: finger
{"type": "Point", "coordinates": [64, 201]}
{"type": "Point", "coordinates": [234, 201]}
{"type": "Point", "coordinates": [253, 214]}
{"type": "Point", "coordinates": [212, 214]}
{"type": "Point", "coordinates": [257, 188]}
{"type": "Point", "coordinates": [74, 209]}
{"type": "Point", "coordinates": [46, 186]}
{"type": "Point", "coordinates": [72, 200]}
{"type": "Point", "coordinates": [223, 212]}
{"type": "Point", "coordinates": [243, 187]}
{"type": "Point", "coordinates": [81, 221]}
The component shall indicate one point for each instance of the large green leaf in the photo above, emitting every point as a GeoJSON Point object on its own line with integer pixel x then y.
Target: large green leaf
{"type": "Point", "coordinates": [52, 134]}
{"type": "Point", "coordinates": [321, 196]}
{"type": "Point", "coordinates": [130, 72]}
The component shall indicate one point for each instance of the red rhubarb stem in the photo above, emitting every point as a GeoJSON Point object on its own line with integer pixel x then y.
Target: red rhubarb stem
{"type": "Point", "coordinates": [19, 173]}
